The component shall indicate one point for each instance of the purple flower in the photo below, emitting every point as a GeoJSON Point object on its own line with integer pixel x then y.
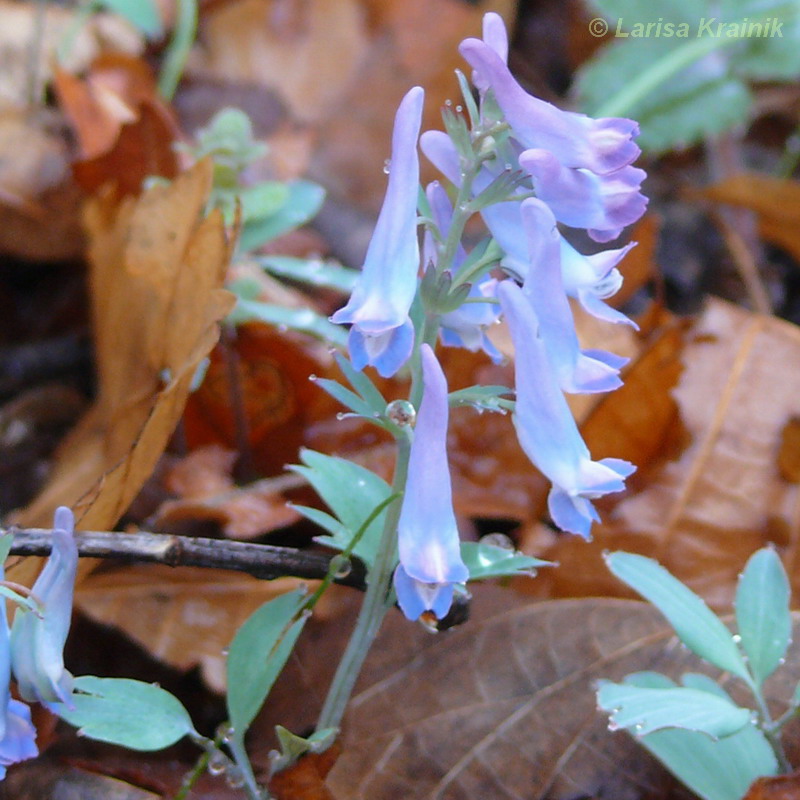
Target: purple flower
{"type": "Point", "coordinates": [546, 429]}
{"type": "Point", "coordinates": [466, 326]}
{"type": "Point", "coordinates": [575, 370]}
{"type": "Point", "coordinates": [590, 279]}
{"type": "Point", "coordinates": [430, 556]}
{"type": "Point", "coordinates": [496, 37]}
{"type": "Point", "coordinates": [381, 332]}
{"type": "Point", "coordinates": [17, 734]}
{"type": "Point", "coordinates": [576, 140]}
{"type": "Point", "coordinates": [580, 198]}
{"type": "Point", "coordinates": [37, 642]}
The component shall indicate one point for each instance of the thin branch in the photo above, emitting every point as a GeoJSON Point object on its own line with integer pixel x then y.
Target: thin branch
{"type": "Point", "coordinates": [260, 560]}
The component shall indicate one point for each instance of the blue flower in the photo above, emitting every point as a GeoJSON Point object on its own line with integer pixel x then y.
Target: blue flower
{"type": "Point", "coordinates": [382, 334]}
{"type": "Point", "coordinates": [576, 370]}
{"type": "Point", "coordinates": [17, 734]}
{"type": "Point", "coordinates": [428, 543]}
{"type": "Point", "coordinates": [546, 429]}
{"type": "Point", "coordinates": [37, 642]}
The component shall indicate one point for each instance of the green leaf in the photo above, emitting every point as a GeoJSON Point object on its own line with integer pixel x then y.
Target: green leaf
{"type": "Point", "coordinates": [312, 271]}
{"type": "Point", "coordinates": [6, 540]}
{"type": "Point", "coordinates": [351, 492]}
{"type": "Point", "coordinates": [298, 319]}
{"type": "Point", "coordinates": [137, 715]}
{"type": "Point", "coordinates": [486, 560]}
{"type": "Point", "coordinates": [292, 747]}
{"type": "Point", "coordinates": [304, 201]}
{"type": "Point", "coordinates": [762, 612]}
{"type": "Point", "coordinates": [262, 200]}
{"type": "Point", "coordinates": [482, 397]}
{"type": "Point", "coordinates": [142, 14]}
{"type": "Point", "coordinates": [644, 711]}
{"type": "Point", "coordinates": [347, 398]}
{"type": "Point", "coordinates": [720, 769]}
{"type": "Point", "coordinates": [696, 625]}
{"type": "Point", "coordinates": [257, 655]}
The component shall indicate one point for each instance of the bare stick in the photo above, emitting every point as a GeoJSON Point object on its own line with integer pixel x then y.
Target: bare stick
{"type": "Point", "coordinates": [260, 560]}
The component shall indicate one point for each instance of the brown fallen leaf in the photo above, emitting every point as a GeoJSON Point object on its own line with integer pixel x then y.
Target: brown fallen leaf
{"type": "Point", "coordinates": [502, 707]}
{"type": "Point", "coordinates": [789, 455]}
{"type": "Point", "coordinates": [776, 202]}
{"type": "Point", "coordinates": [711, 492]}
{"type": "Point", "coordinates": [305, 780]}
{"type": "Point", "coordinates": [779, 787]}
{"type": "Point", "coordinates": [184, 617]}
{"type": "Point", "coordinates": [156, 272]}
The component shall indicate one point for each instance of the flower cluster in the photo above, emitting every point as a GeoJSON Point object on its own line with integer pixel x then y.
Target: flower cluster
{"type": "Point", "coordinates": [528, 168]}
{"type": "Point", "coordinates": [33, 650]}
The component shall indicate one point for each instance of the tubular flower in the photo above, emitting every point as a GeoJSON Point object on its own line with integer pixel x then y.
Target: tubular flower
{"type": "Point", "coordinates": [575, 370]}
{"type": "Point", "coordinates": [37, 642]}
{"type": "Point", "coordinates": [381, 332]}
{"type": "Point", "coordinates": [17, 734]}
{"type": "Point", "coordinates": [578, 141]}
{"type": "Point", "coordinates": [428, 543]}
{"type": "Point", "coordinates": [546, 429]}
{"type": "Point", "coordinates": [466, 326]}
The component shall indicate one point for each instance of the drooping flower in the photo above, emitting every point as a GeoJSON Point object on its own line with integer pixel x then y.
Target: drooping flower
{"type": "Point", "coordinates": [17, 734]}
{"type": "Point", "coordinates": [382, 334]}
{"type": "Point", "coordinates": [575, 370]}
{"type": "Point", "coordinates": [37, 642]}
{"type": "Point", "coordinates": [546, 429]}
{"type": "Point", "coordinates": [576, 140]}
{"type": "Point", "coordinates": [603, 204]}
{"type": "Point", "coordinates": [466, 326]}
{"type": "Point", "coordinates": [428, 542]}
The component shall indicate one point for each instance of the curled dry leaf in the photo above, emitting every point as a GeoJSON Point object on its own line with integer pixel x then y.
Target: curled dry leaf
{"type": "Point", "coordinates": [711, 491]}
{"type": "Point", "coordinates": [156, 275]}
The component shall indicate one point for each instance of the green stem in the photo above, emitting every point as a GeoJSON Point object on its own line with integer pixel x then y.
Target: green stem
{"type": "Point", "coordinates": [769, 728]}
{"type": "Point", "coordinates": [178, 50]}
{"type": "Point", "coordinates": [239, 754]}
{"type": "Point", "coordinates": [670, 64]}
{"type": "Point", "coordinates": [374, 607]}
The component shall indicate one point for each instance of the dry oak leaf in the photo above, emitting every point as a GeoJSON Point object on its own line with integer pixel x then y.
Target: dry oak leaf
{"type": "Point", "coordinates": [504, 707]}
{"type": "Point", "coordinates": [712, 491]}
{"type": "Point", "coordinates": [157, 268]}
{"type": "Point", "coordinates": [183, 617]}
{"type": "Point", "coordinates": [776, 202]}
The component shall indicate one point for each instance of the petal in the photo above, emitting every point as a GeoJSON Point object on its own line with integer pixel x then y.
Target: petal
{"type": "Point", "coordinates": [605, 204]}
{"type": "Point", "coordinates": [387, 352]}
{"type": "Point", "coordinates": [19, 741]}
{"type": "Point", "coordinates": [415, 597]}
{"type": "Point", "coordinates": [576, 371]}
{"type": "Point", "coordinates": [427, 533]}
{"type": "Point", "coordinates": [601, 145]}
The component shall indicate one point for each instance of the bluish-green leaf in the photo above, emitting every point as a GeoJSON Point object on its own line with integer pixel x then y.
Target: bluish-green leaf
{"type": "Point", "coordinates": [762, 612]}
{"type": "Point", "coordinates": [362, 384]}
{"type": "Point", "coordinates": [304, 201]}
{"type": "Point", "coordinates": [644, 711]}
{"type": "Point", "coordinates": [484, 560]}
{"type": "Point", "coordinates": [137, 715]}
{"type": "Point", "coordinates": [257, 655]}
{"type": "Point", "coordinates": [351, 492]}
{"type": "Point", "coordinates": [262, 200]}
{"type": "Point", "coordinates": [696, 625]}
{"type": "Point", "coordinates": [721, 769]}
{"type": "Point", "coordinates": [489, 398]}
{"type": "Point", "coordinates": [142, 14]}
{"type": "Point", "coordinates": [6, 540]}
{"type": "Point", "coordinates": [347, 398]}
{"type": "Point", "coordinates": [297, 319]}
{"type": "Point", "coordinates": [312, 271]}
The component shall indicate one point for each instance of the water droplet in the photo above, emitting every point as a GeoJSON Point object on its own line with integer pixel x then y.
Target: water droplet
{"type": "Point", "coordinates": [498, 540]}
{"type": "Point", "coordinates": [283, 328]}
{"type": "Point", "coordinates": [312, 377]}
{"type": "Point", "coordinates": [737, 638]}
{"type": "Point", "coordinates": [235, 778]}
{"type": "Point", "coordinates": [224, 732]}
{"type": "Point", "coordinates": [387, 166]}
{"type": "Point", "coordinates": [361, 483]}
{"type": "Point", "coordinates": [401, 412]}
{"type": "Point", "coordinates": [340, 415]}
{"type": "Point", "coordinates": [638, 727]}
{"type": "Point", "coordinates": [459, 109]}
{"type": "Point", "coordinates": [224, 652]}
{"type": "Point", "coordinates": [448, 103]}
{"type": "Point", "coordinates": [342, 567]}
{"type": "Point", "coordinates": [217, 763]}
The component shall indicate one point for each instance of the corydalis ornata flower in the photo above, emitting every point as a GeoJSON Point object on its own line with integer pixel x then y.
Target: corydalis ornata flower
{"type": "Point", "coordinates": [17, 734]}
{"type": "Point", "coordinates": [546, 429]}
{"type": "Point", "coordinates": [382, 334]}
{"type": "Point", "coordinates": [428, 543]}
{"type": "Point", "coordinates": [37, 641]}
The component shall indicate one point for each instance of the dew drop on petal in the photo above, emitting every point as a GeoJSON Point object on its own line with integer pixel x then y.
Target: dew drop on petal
{"type": "Point", "coordinates": [387, 166]}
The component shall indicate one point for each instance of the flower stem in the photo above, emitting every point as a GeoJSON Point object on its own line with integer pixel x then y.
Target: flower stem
{"type": "Point", "coordinates": [374, 607]}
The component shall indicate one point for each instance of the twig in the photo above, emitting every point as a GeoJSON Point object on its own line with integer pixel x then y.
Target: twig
{"type": "Point", "coordinates": [260, 560]}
